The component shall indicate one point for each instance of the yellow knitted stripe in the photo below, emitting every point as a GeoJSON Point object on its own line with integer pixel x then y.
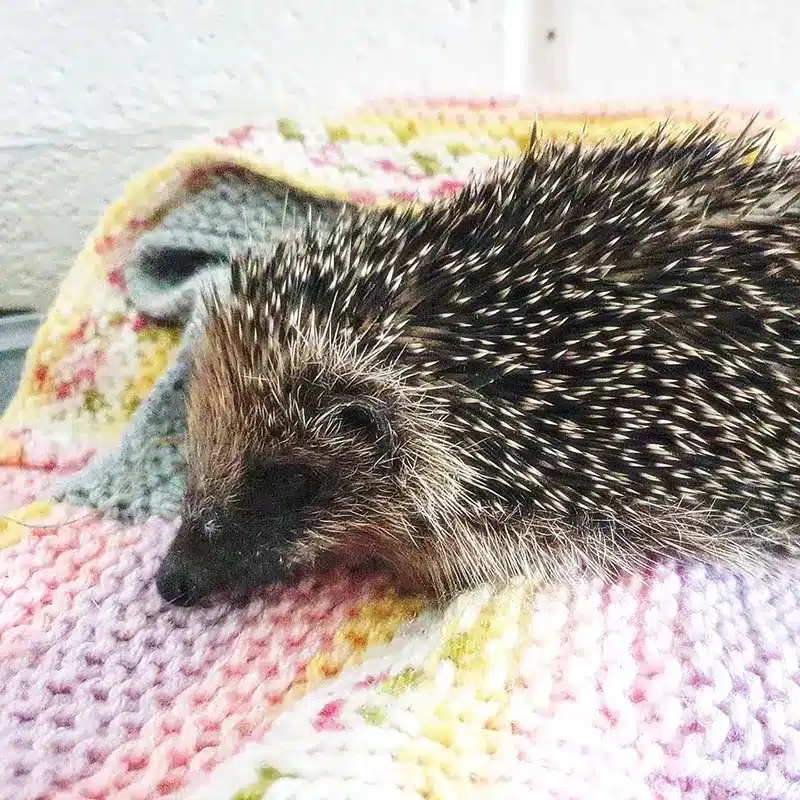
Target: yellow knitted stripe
{"type": "Point", "coordinates": [373, 131]}
{"type": "Point", "coordinates": [472, 668]}
{"type": "Point", "coordinates": [516, 123]}
{"type": "Point", "coordinates": [375, 623]}
{"type": "Point", "coordinates": [15, 525]}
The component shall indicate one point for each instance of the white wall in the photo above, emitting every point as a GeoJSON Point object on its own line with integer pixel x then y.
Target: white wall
{"type": "Point", "coordinates": [95, 90]}
{"type": "Point", "coordinates": [741, 51]}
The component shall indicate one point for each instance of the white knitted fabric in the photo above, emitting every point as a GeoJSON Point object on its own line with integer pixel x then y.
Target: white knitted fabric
{"type": "Point", "coordinates": [683, 683]}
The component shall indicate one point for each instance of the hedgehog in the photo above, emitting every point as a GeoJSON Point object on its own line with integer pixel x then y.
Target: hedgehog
{"type": "Point", "coordinates": [585, 361]}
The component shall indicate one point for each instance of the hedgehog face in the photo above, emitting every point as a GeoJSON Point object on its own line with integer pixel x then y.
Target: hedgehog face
{"type": "Point", "coordinates": [282, 478]}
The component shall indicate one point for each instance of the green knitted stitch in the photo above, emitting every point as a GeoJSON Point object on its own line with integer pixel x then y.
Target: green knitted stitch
{"type": "Point", "coordinates": [256, 791]}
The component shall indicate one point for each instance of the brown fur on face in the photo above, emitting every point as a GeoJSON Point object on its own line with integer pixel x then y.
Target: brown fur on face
{"type": "Point", "coordinates": [301, 405]}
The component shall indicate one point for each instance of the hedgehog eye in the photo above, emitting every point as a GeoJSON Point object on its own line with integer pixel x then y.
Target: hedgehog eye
{"type": "Point", "coordinates": [294, 487]}
{"type": "Point", "coordinates": [365, 418]}
{"type": "Point", "coordinates": [276, 488]}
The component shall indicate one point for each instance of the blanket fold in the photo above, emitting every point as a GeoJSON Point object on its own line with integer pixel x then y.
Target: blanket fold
{"type": "Point", "coordinates": [681, 682]}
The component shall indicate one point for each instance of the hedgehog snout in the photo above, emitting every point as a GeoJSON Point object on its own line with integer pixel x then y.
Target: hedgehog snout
{"type": "Point", "coordinates": [186, 574]}
{"type": "Point", "coordinates": [247, 556]}
{"type": "Point", "coordinates": [239, 544]}
{"type": "Point", "coordinates": [177, 585]}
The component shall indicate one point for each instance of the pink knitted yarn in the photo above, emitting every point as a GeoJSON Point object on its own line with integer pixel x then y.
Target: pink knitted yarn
{"type": "Point", "coordinates": [680, 683]}
{"type": "Point", "coordinates": [683, 683]}
{"type": "Point", "coordinates": [105, 693]}
{"type": "Point", "coordinates": [19, 487]}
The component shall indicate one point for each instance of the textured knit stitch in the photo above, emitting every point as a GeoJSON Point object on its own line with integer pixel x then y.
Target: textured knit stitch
{"type": "Point", "coordinates": [233, 211]}
{"type": "Point", "coordinates": [144, 475]}
{"type": "Point", "coordinates": [680, 683]}
{"type": "Point", "coordinates": [163, 273]}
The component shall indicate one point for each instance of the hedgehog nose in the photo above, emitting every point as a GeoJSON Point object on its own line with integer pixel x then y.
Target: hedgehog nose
{"type": "Point", "coordinates": [178, 586]}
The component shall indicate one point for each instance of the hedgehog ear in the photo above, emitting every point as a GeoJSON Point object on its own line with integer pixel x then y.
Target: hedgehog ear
{"type": "Point", "coordinates": [367, 418]}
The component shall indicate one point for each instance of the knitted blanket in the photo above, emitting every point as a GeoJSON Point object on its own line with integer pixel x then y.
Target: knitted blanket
{"type": "Point", "coordinates": [680, 682]}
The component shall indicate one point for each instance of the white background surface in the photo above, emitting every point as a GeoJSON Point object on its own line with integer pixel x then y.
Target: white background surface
{"type": "Point", "coordinates": [94, 91]}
